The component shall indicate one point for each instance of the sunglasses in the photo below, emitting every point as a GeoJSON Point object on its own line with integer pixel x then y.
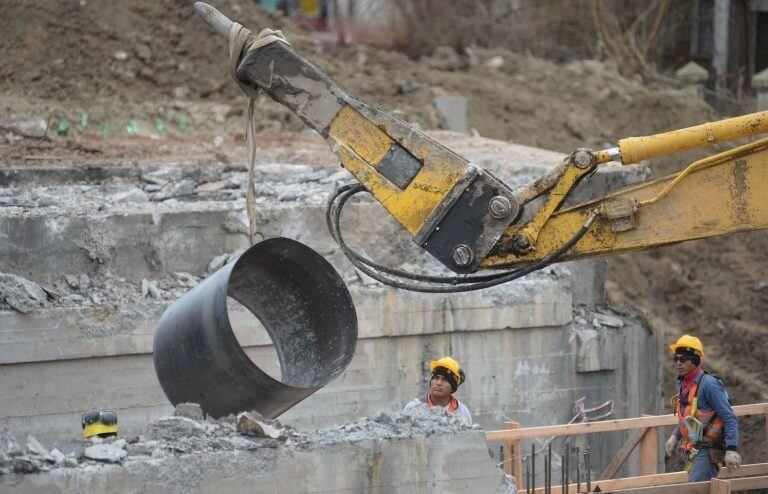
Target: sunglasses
{"type": "Point", "coordinates": [682, 358]}
{"type": "Point", "coordinates": [106, 417]}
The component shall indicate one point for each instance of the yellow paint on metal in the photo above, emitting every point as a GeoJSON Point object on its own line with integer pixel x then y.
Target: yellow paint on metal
{"type": "Point", "coordinates": [309, 7]}
{"type": "Point", "coordinates": [636, 149]}
{"type": "Point", "coordinates": [361, 145]}
{"type": "Point", "coordinates": [726, 196]}
{"type": "Point", "coordinates": [360, 135]}
{"type": "Point", "coordinates": [603, 156]}
{"type": "Point", "coordinates": [559, 192]}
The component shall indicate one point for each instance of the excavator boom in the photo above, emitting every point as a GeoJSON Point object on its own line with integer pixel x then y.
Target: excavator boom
{"type": "Point", "coordinates": [470, 220]}
{"type": "Point", "coordinates": [460, 213]}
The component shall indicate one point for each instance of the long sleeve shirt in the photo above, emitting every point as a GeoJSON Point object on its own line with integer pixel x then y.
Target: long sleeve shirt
{"type": "Point", "coordinates": [461, 412]}
{"type": "Point", "coordinates": [712, 396]}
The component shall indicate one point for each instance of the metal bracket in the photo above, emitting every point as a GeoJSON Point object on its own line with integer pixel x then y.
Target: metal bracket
{"type": "Point", "coordinates": [620, 214]}
{"type": "Point", "coordinates": [469, 221]}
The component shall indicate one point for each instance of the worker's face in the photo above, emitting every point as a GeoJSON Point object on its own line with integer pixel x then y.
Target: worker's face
{"type": "Point", "coordinates": [440, 387]}
{"type": "Point", "coordinates": [683, 365]}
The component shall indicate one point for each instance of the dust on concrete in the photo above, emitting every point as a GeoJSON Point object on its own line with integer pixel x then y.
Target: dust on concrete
{"type": "Point", "coordinates": [180, 435]}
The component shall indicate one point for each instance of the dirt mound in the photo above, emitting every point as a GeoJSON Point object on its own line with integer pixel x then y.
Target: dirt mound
{"type": "Point", "coordinates": [140, 49]}
{"type": "Point", "coordinates": [149, 60]}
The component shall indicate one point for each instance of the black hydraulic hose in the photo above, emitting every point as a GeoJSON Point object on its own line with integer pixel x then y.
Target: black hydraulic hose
{"type": "Point", "coordinates": [429, 284]}
{"type": "Point", "coordinates": [332, 221]}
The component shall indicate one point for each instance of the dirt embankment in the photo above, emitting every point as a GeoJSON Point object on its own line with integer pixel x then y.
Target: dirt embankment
{"type": "Point", "coordinates": [716, 289]}
{"type": "Point", "coordinates": [149, 60]}
{"type": "Point", "coordinates": [153, 60]}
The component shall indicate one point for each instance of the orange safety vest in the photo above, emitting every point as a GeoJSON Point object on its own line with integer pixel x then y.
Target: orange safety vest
{"type": "Point", "coordinates": [713, 427]}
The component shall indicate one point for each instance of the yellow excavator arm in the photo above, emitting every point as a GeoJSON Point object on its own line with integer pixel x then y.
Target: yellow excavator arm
{"type": "Point", "coordinates": [470, 220]}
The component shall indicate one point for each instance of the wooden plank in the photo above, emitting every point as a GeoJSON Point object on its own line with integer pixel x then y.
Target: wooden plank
{"type": "Point", "coordinates": [507, 449]}
{"type": "Point", "coordinates": [749, 483]}
{"type": "Point", "coordinates": [667, 479]}
{"type": "Point", "coordinates": [517, 455]}
{"type": "Point", "coordinates": [718, 486]}
{"type": "Point", "coordinates": [623, 454]}
{"type": "Point", "coordinates": [607, 425]}
{"type": "Point", "coordinates": [626, 483]}
{"type": "Point", "coordinates": [744, 470]}
{"type": "Point", "coordinates": [649, 445]}
{"type": "Point", "coordinates": [691, 488]}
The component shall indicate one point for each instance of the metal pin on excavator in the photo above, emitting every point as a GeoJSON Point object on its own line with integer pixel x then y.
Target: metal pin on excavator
{"type": "Point", "coordinates": [470, 220]}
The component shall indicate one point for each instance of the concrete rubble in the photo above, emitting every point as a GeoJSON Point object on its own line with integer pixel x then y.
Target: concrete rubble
{"type": "Point", "coordinates": [145, 463]}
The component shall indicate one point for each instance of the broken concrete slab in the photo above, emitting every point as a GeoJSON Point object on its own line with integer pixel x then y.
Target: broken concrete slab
{"type": "Point", "coordinates": [34, 447]}
{"type": "Point", "coordinates": [107, 453]}
{"type": "Point", "coordinates": [189, 410]}
{"type": "Point", "coordinates": [453, 109]}
{"type": "Point", "coordinates": [8, 444]}
{"type": "Point", "coordinates": [168, 428]}
{"type": "Point", "coordinates": [419, 453]}
{"type": "Point", "coordinates": [21, 294]}
{"type": "Point", "coordinates": [253, 424]}
{"type": "Point", "coordinates": [30, 129]}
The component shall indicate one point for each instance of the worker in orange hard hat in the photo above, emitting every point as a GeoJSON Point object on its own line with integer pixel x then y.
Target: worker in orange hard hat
{"type": "Point", "coordinates": [708, 430]}
{"type": "Point", "coordinates": [447, 376]}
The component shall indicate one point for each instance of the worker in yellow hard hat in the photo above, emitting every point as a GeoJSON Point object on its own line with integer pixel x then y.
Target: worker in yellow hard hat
{"type": "Point", "coordinates": [101, 423]}
{"type": "Point", "coordinates": [447, 376]}
{"type": "Point", "coordinates": [708, 430]}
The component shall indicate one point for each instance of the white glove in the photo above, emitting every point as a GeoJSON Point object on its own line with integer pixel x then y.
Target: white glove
{"type": "Point", "coordinates": [669, 446]}
{"type": "Point", "coordinates": [732, 460]}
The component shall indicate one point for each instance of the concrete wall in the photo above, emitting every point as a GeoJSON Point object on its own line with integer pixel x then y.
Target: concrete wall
{"type": "Point", "coordinates": [525, 356]}
{"type": "Point", "coordinates": [528, 351]}
{"type": "Point", "coordinates": [454, 463]}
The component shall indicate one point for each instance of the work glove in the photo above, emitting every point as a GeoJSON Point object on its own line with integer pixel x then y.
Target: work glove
{"type": "Point", "coordinates": [669, 446]}
{"type": "Point", "coordinates": [732, 460]}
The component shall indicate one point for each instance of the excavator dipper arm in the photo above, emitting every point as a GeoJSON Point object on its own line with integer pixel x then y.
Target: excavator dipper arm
{"type": "Point", "coordinates": [458, 212]}
{"type": "Point", "coordinates": [469, 220]}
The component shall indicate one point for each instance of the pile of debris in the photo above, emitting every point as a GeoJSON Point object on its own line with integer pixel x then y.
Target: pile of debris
{"type": "Point", "coordinates": [188, 431]}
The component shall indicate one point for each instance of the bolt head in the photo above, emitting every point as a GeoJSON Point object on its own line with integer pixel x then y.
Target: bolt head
{"type": "Point", "coordinates": [521, 243]}
{"type": "Point", "coordinates": [583, 158]}
{"type": "Point", "coordinates": [499, 207]}
{"type": "Point", "coordinates": [462, 255]}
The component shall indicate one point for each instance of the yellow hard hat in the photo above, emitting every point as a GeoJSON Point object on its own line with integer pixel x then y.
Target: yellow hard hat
{"type": "Point", "coordinates": [451, 366]}
{"type": "Point", "coordinates": [688, 341]}
{"type": "Point", "coordinates": [99, 422]}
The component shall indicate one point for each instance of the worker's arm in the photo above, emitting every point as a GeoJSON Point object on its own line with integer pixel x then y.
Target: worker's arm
{"type": "Point", "coordinates": [463, 414]}
{"type": "Point", "coordinates": [412, 404]}
{"type": "Point", "coordinates": [715, 395]}
{"type": "Point", "coordinates": [677, 433]}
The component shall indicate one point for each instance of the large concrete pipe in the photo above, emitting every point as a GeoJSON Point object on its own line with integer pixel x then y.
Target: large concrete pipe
{"type": "Point", "coordinates": [301, 302]}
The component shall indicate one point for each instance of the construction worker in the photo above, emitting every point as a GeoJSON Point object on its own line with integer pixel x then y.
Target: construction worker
{"type": "Point", "coordinates": [101, 423]}
{"type": "Point", "coordinates": [446, 378]}
{"type": "Point", "coordinates": [708, 430]}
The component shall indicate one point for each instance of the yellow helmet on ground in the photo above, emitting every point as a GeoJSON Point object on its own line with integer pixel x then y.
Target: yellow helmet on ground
{"type": "Point", "coordinates": [687, 341]}
{"type": "Point", "coordinates": [449, 368]}
{"type": "Point", "coordinates": [100, 423]}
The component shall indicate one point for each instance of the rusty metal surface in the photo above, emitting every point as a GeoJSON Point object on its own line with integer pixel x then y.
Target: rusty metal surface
{"type": "Point", "coordinates": [304, 306]}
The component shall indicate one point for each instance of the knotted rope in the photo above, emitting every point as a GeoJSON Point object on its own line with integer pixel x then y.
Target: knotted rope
{"type": "Point", "coordinates": [238, 38]}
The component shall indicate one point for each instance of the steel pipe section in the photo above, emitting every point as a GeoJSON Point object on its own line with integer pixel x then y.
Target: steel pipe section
{"type": "Point", "coordinates": [304, 306]}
